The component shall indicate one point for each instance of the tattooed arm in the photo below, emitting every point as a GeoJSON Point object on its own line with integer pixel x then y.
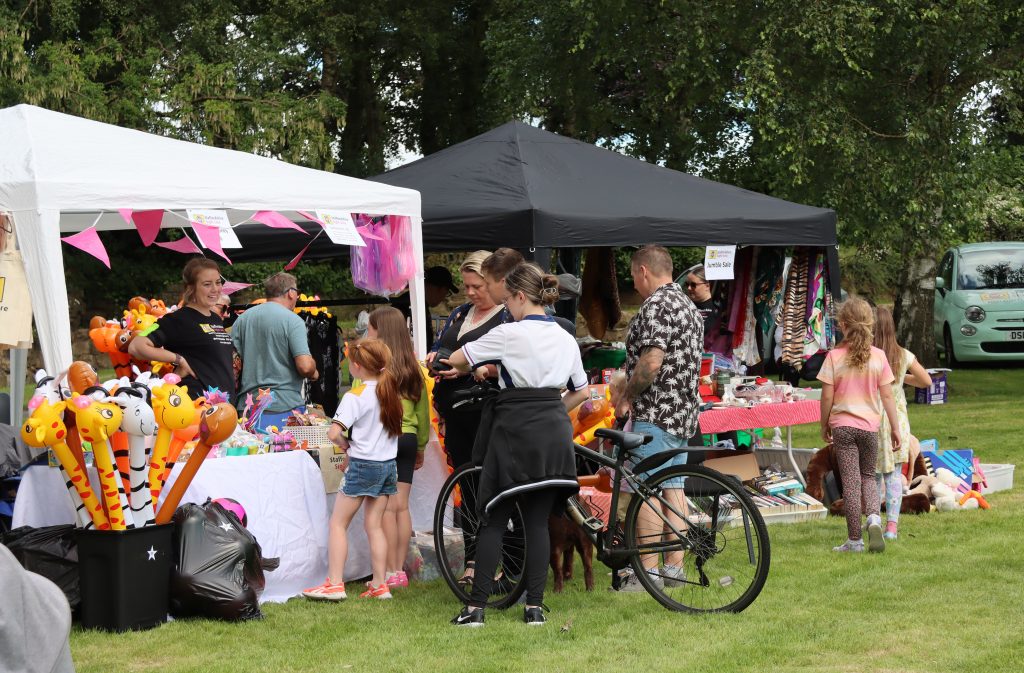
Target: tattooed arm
{"type": "Point", "coordinates": [646, 371]}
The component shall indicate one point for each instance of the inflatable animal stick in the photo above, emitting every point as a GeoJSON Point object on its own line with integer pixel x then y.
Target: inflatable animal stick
{"type": "Point", "coordinates": [218, 422]}
{"type": "Point", "coordinates": [97, 421]}
{"type": "Point", "coordinates": [138, 422]}
{"type": "Point", "coordinates": [174, 411]}
{"type": "Point", "coordinates": [45, 427]}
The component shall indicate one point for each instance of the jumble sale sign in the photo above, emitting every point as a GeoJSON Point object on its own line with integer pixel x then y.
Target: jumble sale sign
{"type": "Point", "coordinates": [718, 262]}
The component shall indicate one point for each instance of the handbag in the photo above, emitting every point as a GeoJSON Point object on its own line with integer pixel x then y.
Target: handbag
{"type": "Point", "coordinates": [15, 304]}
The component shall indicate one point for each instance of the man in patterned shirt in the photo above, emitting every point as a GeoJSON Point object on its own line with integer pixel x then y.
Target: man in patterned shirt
{"type": "Point", "coordinates": [663, 350]}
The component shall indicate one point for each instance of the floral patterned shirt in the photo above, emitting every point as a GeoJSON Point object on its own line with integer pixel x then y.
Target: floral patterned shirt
{"type": "Point", "coordinates": [668, 320]}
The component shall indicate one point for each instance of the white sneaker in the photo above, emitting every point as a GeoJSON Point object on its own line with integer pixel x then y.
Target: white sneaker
{"type": "Point", "coordinates": [628, 581]}
{"type": "Point", "coordinates": [673, 576]}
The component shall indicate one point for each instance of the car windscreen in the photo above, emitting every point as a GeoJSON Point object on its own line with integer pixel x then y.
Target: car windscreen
{"type": "Point", "coordinates": [991, 269]}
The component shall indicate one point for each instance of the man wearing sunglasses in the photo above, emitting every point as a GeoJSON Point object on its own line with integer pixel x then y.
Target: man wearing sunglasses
{"type": "Point", "coordinates": [271, 340]}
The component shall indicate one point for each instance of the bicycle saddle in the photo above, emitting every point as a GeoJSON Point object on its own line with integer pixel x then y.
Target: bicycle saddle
{"type": "Point", "coordinates": [627, 440]}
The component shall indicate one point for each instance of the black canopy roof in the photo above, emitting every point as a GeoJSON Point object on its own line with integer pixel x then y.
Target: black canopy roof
{"type": "Point", "coordinates": [521, 187]}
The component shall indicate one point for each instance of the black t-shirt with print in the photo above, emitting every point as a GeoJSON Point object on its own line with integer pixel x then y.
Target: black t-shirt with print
{"type": "Point", "coordinates": [668, 320]}
{"type": "Point", "coordinates": [203, 341]}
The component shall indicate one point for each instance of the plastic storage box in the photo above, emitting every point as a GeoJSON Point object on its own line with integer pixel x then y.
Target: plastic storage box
{"type": "Point", "coordinates": [998, 476]}
{"type": "Point", "coordinates": [124, 577]}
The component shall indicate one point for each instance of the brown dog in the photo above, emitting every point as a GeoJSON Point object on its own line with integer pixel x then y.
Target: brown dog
{"type": "Point", "coordinates": [566, 536]}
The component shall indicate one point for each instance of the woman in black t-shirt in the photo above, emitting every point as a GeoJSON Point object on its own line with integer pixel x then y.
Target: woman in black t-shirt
{"type": "Point", "coordinates": [193, 338]}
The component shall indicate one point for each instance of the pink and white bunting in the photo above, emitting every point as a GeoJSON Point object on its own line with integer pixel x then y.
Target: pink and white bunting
{"type": "Point", "coordinates": [275, 220]}
{"type": "Point", "coordinates": [184, 245]}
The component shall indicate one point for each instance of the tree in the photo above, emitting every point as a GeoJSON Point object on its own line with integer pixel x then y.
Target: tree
{"type": "Point", "coordinates": [875, 110]}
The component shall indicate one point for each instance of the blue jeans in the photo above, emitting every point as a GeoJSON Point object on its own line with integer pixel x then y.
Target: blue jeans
{"type": "Point", "coordinates": [372, 478]}
{"type": "Point", "coordinates": [663, 441]}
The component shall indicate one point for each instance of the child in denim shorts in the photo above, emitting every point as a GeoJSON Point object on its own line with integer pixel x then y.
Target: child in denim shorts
{"type": "Point", "coordinates": [367, 425]}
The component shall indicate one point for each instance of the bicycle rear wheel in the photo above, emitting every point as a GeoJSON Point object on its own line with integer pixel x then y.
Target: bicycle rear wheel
{"type": "Point", "coordinates": [456, 526]}
{"type": "Point", "coordinates": [717, 540]}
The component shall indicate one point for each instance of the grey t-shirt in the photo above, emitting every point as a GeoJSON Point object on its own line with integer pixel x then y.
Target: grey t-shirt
{"type": "Point", "coordinates": [268, 338]}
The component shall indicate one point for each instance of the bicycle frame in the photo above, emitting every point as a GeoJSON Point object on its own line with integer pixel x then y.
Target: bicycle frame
{"type": "Point", "coordinates": [607, 550]}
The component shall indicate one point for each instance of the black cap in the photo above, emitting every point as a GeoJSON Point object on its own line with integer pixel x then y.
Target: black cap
{"type": "Point", "coordinates": [439, 276]}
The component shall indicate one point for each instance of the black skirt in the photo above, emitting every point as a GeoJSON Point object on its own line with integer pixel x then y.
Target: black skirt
{"type": "Point", "coordinates": [524, 443]}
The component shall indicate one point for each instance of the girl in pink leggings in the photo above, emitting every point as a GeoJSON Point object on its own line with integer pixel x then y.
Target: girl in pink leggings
{"type": "Point", "coordinates": [855, 380]}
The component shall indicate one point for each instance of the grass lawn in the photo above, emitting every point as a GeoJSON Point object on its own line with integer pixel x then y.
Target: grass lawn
{"type": "Point", "coordinates": [941, 598]}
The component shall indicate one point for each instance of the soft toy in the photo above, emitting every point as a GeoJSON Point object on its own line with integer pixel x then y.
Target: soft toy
{"type": "Point", "coordinates": [945, 496]}
{"type": "Point", "coordinates": [824, 461]}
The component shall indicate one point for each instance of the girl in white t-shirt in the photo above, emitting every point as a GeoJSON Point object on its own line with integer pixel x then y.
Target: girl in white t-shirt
{"type": "Point", "coordinates": [367, 425]}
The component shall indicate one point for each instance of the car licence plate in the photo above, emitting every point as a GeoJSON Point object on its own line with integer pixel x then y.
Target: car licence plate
{"type": "Point", "coordinates": [1015, 335]}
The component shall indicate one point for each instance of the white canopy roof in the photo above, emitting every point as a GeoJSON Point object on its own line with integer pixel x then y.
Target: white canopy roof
{"type": "Point", "coordinates": [58, 173]}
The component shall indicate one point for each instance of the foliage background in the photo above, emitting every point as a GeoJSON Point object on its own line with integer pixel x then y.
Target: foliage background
{"type": "Point", "coordinates": [904, 116]}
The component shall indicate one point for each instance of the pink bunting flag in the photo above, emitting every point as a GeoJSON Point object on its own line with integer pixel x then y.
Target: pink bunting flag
{"type": "Point", "coordinates": [148, 223]}
{"type": "Point", "coordinates": [364, 231]}
{"type": "Point", "coordinates": [89, 241]}
{"type": "Point", "coordinates": [231, 287]}
{"type": "Point", "coordinates": [183, 245]}
{"type": "Point", "coordinates": [295, 260]}
{"type": "Point", "coordinates": [313, 218]}
{"type": "Point", "coordinates": [276, 220]}
{"type": "Point", "coordinates": [126, 214]}
{"type": "Point", "coordinates": [210, 237]}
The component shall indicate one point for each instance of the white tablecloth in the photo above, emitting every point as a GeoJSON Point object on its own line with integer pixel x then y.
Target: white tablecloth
{"type": "Point", "coordinates": [283, 496]}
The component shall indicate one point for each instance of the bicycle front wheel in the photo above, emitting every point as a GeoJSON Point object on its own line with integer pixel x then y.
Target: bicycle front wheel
{"type": "Point", "coordinates": [456, 527]}
{"type": "Point", "coordinates": [702, 546]}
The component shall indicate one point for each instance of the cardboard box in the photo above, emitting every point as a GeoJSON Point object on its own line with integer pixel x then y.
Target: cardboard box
{"type": "Point", "coordinates": [937, 393]}
{"type": "Point", "coordinates": [743, 466]}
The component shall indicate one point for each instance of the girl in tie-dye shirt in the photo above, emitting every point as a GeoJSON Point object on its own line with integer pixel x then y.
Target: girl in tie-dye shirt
{"type": "Point", "coordinates": [855, 387]}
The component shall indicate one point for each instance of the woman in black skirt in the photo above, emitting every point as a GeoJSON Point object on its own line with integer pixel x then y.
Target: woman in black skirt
{"type": "Point", "coordinates": [525, 444]}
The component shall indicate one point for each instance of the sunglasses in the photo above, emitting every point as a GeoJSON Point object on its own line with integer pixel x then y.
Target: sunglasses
{"type": "Point", "coordinates": [690, 286]}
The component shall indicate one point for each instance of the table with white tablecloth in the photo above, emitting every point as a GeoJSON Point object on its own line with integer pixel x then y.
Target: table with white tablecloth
{"type": "Point", "coordinates": [283, 496]}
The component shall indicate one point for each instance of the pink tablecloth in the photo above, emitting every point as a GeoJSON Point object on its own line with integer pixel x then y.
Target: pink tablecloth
{"type": "Point", "coordinates": [769, 415]}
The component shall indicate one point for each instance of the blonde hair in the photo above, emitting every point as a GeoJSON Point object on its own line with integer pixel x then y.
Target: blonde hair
{"type": "Point", "coordinates": [474, 262]}
{"type": "Point", "coordinates": [885, 338]}
{"type": "Point", "coordinates": [857, 324]}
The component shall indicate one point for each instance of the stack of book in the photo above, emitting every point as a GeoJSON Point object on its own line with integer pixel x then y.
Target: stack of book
{"type": "Point", "coordinates": [778, 493]}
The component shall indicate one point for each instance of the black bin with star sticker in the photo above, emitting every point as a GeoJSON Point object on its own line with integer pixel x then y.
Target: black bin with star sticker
{"type": "Point", "coordinates": [124, 577]}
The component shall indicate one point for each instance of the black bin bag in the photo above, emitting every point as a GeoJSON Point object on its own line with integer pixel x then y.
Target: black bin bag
{"type": "Point", "coordinates": [219, 571]}
{"type": "Point", "coordinates": [51, 552]}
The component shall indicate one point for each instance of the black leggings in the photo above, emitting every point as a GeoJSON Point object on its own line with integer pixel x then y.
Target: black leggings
{"type": "Point", "coordinates": [536, 508]}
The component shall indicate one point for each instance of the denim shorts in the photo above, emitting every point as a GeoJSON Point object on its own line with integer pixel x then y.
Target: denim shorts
{"type": "Point", "coordinates": [663, 441]}
{"type": "Point", "coordinates": [372, 478]}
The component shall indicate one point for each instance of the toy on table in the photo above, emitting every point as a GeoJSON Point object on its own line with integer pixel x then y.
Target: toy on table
{"type": "Point", "coordinates": [173, 411]}
{"type": "Point", "coordinates": [218, 422]}
{"type": "Point", "coordinates": [45, 427]}
{"type": "Point", "coordinates": [280, 441]}
{"type": "Point", "coordinates": [138, 422]}
{"type": "Point", "coordinates": [253, 410]}
{"type": "Point", "coordinates": [97, 421]}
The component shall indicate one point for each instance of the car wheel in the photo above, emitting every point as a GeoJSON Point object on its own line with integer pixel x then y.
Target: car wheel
{"type": "Point", "coordinates": [947, 343]}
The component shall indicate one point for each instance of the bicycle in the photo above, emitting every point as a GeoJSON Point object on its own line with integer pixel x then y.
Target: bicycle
{"type": "Point", "coordinates": [711, 523]}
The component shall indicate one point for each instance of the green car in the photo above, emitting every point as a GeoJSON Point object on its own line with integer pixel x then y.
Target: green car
{"type": "Point", "coordinates": [979, 303]}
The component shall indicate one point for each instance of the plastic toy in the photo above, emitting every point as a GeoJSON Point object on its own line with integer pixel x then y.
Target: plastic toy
{"type": "Point", "coordinates": [45, 428]}
{"type": "Point", "coordinates": [218, 422]}
{"type": "Point", "coordinates": [97, 421]}
{"type": "Point", "coordinates": [174, 411]}
{"type": "Point", "coordinates": [138, 422]}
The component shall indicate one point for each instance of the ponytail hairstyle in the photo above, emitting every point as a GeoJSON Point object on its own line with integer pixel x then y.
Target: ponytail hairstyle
{"type": "Point", "coordinates": [885, 338]}
{"type": "Point", "coordinates": [540, 288]}
{"type": "Point", "coordinates": [392, 329]}
{"type": "Point", "coordinates": [856, 322]}
{"type": "Point", "coordinates": [373, 355]}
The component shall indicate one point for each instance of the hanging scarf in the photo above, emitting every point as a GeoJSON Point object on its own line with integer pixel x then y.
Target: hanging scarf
{"type": "Point", "coordinates": [768, 287]}
{"type": "Point", "coordinates": [814, 338]}
{"type": "Point", "coordinates": [794, 310]}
